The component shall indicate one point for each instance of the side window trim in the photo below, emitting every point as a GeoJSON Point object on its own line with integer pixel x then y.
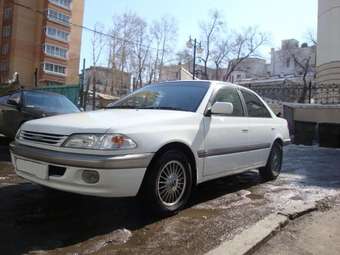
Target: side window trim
{"type": "Point", "coordinates": [214, 94]}
{"type": "Point", "coordinates": [244, 105]}
{"type": "Point", "coordinates": [264, 105]}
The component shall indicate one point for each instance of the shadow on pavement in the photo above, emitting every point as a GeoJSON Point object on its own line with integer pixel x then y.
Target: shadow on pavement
{"type": "Point", "coordinates": [32, 218]}
{"type": "Point", "coordinates": [36, 219]}
{"type": "Point", "coordinates": [4, 151]}
{"type": "Point", "coordinates": [312, 166]}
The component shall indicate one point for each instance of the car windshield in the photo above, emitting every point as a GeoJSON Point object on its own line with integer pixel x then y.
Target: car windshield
{"type": "Point", "coordinates": [49, 103]}
{"type": "Point", "coordinates": [167, 96]}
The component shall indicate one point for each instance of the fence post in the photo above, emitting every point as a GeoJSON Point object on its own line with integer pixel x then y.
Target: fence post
{"type": "Point", "coordinates": [310, 92]}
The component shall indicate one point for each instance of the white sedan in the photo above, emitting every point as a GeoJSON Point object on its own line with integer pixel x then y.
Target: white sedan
{"type": "Point", "coordinates": [157, 142]}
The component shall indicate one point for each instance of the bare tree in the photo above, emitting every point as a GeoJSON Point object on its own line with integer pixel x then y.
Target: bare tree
{"type": "Point", "coordinates": [311, 37]}
{"type": "Point", "coordinates": [245, 45]}
{"type": "Point", "coordinates": [141, 50]}
{"type": "Point", "coordinates": [164, 35]}
{"type": "Point", "coordinates": [97, 46]}
{"type": "Point", "coordinates": [122, 45]}
{"type": "Point", "coordinates": [209, 29]}
{"type": "Point", "coordinates": [220, 53]}
{"type": "Point", "coordinates": [304, 63]}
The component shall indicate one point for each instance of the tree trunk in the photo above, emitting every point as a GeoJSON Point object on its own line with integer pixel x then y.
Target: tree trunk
{"type": "Point", "coordinates": [302, 98]}
{"type": "Point", "coordinates": [94, 90]}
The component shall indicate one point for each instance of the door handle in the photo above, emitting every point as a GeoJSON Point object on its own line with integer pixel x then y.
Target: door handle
{"type": "Point", "coordinates": [244, 130]}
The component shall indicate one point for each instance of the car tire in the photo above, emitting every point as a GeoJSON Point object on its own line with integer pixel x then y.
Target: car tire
{"type": "Point", "coordinates": [168, 182]}
{"type": "Point", "coordinates": [273, 167]}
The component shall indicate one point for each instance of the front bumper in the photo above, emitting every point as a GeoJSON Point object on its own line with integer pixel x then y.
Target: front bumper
{"type": "Point", "coordinates": [119, 176]}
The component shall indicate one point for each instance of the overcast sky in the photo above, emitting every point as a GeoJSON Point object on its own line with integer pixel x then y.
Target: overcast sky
{"type": "Point", "coordinates": [282, 19]}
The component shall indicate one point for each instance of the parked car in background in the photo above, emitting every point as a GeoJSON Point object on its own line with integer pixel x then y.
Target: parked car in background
{"type": "Point", "coordinates": [158, 142]}
{"type": "Point", "coordinates": [20, 106]}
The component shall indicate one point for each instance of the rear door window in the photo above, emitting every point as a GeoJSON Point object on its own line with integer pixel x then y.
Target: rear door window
{"type": "Point", "coordinates": [255, 106]}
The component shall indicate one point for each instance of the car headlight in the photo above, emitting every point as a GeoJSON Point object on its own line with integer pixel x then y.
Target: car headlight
{"type": "Point", "coordinates": [100, 142]}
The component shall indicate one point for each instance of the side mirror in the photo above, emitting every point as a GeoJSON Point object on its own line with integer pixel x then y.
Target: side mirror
{"type": "Point", "coordinates": [222, 108]}
{"type": "Point", "coordinates": [279, 114]}
{"type": "Point", "coordinates": [14, 101]}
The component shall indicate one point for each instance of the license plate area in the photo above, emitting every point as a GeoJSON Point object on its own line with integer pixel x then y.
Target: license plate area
{"type": "Point", "coordinates": [32, 168]}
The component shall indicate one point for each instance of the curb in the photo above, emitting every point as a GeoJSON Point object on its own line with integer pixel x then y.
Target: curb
{"type": "Point", "coordinates": [247, 241]}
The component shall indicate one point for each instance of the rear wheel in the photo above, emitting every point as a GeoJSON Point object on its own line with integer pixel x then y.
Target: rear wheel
{"type": "Point", "coordinates": [168, 182]}
{"type": "Point", "coordinates": [273, 167]}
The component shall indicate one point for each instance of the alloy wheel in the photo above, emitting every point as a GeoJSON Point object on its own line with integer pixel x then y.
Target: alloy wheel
{"type": "Point", "coordinates": [171, 183]}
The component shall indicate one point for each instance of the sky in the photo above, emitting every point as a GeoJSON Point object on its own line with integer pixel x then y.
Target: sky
{"type": "Point", "coordinates": [284, 19]}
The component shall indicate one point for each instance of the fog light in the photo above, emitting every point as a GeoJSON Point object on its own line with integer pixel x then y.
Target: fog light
{"type": "Point", "coordinates": [90, 176]}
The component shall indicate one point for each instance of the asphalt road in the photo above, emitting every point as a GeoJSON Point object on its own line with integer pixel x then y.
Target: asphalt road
{"type": "Point", "coordinates": [34, 220]}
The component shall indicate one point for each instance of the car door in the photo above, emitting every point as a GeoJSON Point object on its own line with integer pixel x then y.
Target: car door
{"type": "Point", "coordinates": [261, 128]}
{"type": "Point", "coordinates": [12, 115]}
{"type": "Point", "coordinates": [225, 136]}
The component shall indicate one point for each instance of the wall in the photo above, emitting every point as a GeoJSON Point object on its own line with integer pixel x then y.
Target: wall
{"type": "Point", "coordinates": [328, 58]}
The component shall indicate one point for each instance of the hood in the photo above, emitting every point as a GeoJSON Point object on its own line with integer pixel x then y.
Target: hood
{"type": "Point", "coordinates": [102, 121]}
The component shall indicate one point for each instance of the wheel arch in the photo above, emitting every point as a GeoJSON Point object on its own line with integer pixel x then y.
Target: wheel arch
{"type": "Point", "coordinates": [277, 140]}
{"type": "Point", "coordinates": [180, 146]}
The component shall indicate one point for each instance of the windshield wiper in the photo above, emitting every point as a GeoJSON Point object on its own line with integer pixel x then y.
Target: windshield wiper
{"type": "Point", "coordinates": [122, 107]}
{"type": "Point", "coordinates": [164, 108]}
{"type": "Point", "coordinates": [146, 108]}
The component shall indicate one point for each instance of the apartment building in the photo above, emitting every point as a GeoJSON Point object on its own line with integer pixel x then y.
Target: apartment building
{"type": "Point", "coordinates": [40, 40]}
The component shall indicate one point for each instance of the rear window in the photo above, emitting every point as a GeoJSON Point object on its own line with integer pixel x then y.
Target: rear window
{"type": "Point", "coordinates": [49, 102]}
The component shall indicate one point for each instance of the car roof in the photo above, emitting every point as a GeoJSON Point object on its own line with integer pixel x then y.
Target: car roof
{"type": "Point", "coordinates": [37, 91]}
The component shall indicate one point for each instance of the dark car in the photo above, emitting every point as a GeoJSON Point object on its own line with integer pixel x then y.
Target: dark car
{"type": "Point", "coordinates": [20, 106]}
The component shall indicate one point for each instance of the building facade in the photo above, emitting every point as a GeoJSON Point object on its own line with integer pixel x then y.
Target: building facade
{"type": "Point", "coordinates": [328, 57]}
{"type": "Point", "coordinates": [40, 40]}
{"type": "Point", "coordinates": [283, 61]}
{"type": "Point", "coordinates": [108, 81]}
{"type": "Point", "coordinates": [250, 68]}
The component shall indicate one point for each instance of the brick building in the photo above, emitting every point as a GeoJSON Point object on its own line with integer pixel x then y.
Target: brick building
{"type": "Point", "coordinates": [40, 42]}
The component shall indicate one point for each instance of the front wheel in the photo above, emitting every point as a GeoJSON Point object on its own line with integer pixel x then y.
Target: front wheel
{"type": "Point", "coordinates": [168, 182]}
{"type": "Point", "coordinates": [273, 167]}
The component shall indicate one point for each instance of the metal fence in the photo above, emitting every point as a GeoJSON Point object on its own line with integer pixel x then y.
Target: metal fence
{"type": "Point", "coordinates": [70, 91]}
{"type": "Point", "coordinates": [315, 93]}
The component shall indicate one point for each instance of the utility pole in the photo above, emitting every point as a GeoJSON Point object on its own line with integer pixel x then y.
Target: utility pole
{"type": "Point", "coordinates": [82, 81]}
{"type": "Point", "coordinates": [94, 89]}
{"type": "Point", "coordinates": [193, 44]}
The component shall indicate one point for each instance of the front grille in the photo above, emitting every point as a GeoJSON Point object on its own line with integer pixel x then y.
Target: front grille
{"type": "Point", "coordinates": [51, 139]}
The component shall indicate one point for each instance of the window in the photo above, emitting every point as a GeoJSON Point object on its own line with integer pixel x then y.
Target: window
{"type": "Point", "coordinates": [55, 51]}
{"type": "Point", "coordinates": [230, 95]}
{"type": "Point", "coordinates": [62, 3]}
{"type": "Point", "coordinates": [6, 32]}
{"type": "Point", "coordinates": [4, 67]}
{"type": "Point", "coordinates": [288, 62]}
{"type": "Point", "coordinates": [58, 17]}
{"type": "Point", "coordinates": [55, 69]}
{"type": "Point", "coordinates": [254, 106]}
{"type": "Point", "coordinates": [57, 34]}
{"type": "Point", "coordinates": [7, 13]}
{"type": "Point", "coordinates": [49, 103]}
{"type": "Point", "coordinates": [4, 49]}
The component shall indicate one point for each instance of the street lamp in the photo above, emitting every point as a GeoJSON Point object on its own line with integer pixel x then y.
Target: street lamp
{"type": "Point", "coordinates": [192, 43]}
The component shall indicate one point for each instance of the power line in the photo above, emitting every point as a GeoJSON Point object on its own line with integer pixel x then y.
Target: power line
{"type": "Point", "coordinates": [136, 43]}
